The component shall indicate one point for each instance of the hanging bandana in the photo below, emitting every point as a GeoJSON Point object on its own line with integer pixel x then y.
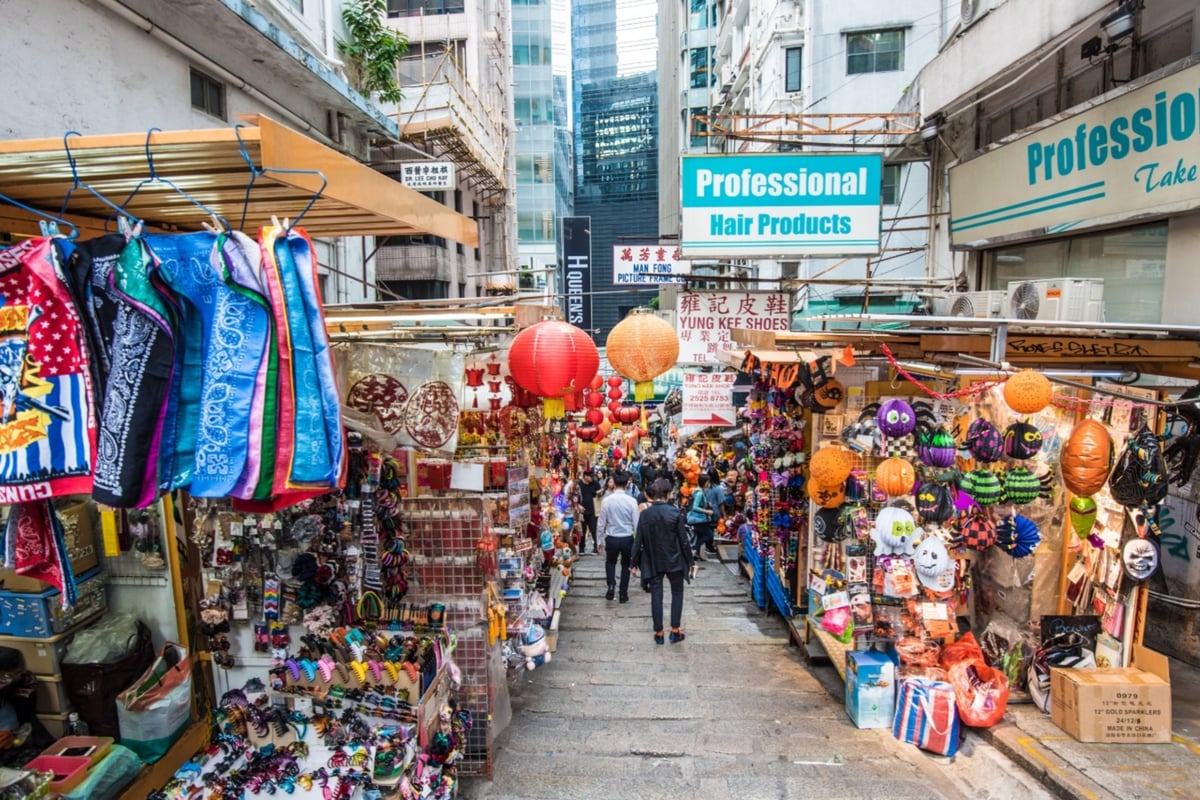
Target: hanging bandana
{"type": "Point", "coordinates": [34, 547]}
{"type": "Point", "coordinates": [47, 431]}
{"type": "Point", "coordinates": [233, 335]}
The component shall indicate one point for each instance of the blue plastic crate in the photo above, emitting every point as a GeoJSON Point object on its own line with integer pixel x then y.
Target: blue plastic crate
{"type": "Point", "coordinates": [42, 615]}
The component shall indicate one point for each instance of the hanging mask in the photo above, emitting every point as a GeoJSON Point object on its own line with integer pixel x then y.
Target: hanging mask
{"type": "Point", "coordinates": [1139, 557]}
{"type": "Point", "coordinates": [1022, 440]}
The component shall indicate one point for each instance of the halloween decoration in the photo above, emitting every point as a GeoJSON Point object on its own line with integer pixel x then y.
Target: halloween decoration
{"type": "Point", "coordinates": [935, 570]}
{"type": "Point", "coordinates": [896, 418]}
{"type": "Point", "coordinates": [895, 532]}
{"type": "Point", "coordinates": [976, 531]}
{"type": "Point", "coordinates": [1022, 487]}
{"type": "Point", "coordinates": [1183, 451]}
{"type": "Point", "coordinates": [936, 446]}
{"type": "Point", "coordinates": [984, 486]}
{"type": "Point", "coordinates": [827, 496]}
{"type": "Point", "coordinates": [935, 502]}
{"type": "Point", "coordinates": [818, 390]}
{"type": "Point", "coordinates": [1139, 558]}
{"type": "Point", "coordinates": [1087, 458]}
{"type": "Point", "coordinates": [830, 466]}
{"type": "Point", "coordinates": [984, 441]}
{"type": "Point", "coordinates": [1027, 392]}
{"type": "Point", "coordinates": [1140, 475]}
{"type": "Point", "coordinates": [895, 476]}
{"type": "Point", "coordinates": [1022, 440]}
{"type": "Point", "coordinates": [1082, 512]}
{"type": "Point", "coordinates": [1018, 535]}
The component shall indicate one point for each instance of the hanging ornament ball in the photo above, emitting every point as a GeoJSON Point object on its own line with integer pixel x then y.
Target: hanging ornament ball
{"type": "Point", "coordinates": [615, 394]}
{"type": "Point", "coordinates": [615, 382]}
{"type": "Point", "coordinates": [896, 418]}
{"type": "Point", "coordinates": [597, 383]}
{"type": "Point", "coordinates": [895, 476]}
{"type": "Point", "coordinates": [628, 414]}
{"type": "Point", "coordinates": [1087, 458]}
{"type": "Point", "coordinates": [641, 347]}
{"type": "Point", "coordinates": [552, 358]}
{"type": "Point", "coordinates": [1027, 392]}
{"type": "Point", "coordinates": [589, 433]}
{"type": "Point", "coordinates": [831, 465]}
{"type": "Point", "coordinates": [594, 399]}
{"type": "Point", "coordinates": [594, 416]}
{"type": "Point", "coordinates": [614, 406]}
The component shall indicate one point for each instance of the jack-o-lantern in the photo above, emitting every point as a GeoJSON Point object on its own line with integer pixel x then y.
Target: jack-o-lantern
{"type": "Point", "coordinates": [935, 502]}
{"type": "Point", "coordinates": [830, 466]}
{"type": "Point", "coordinates": [828, 395]}
{"type": "Point", "coordinates": [1027, 392]}
{"type": "Point", "coordinates": [827, 496]}
{"type": "Point", "coordinates": [1087, 458]}
{"type": "Point", "coordinates": [895, 476]}
{"type": "Point", "coordinates": [896, 418]}
{"type": "Point", "coordinates": [1022, 440]}
{"type": "Point", "coordinates": [894, 532]}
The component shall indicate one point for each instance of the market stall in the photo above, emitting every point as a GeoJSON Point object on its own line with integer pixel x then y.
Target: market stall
{"type": "Point", "coordinates": [973, 526]}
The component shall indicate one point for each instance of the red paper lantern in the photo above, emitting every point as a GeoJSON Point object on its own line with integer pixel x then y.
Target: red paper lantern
{"type": "Point", "coordinates": [551, 359]}
{"type": "Point", "coordinates": [618, 454]}
{"type": "Point", "coordinates": [628, 414]}
{"type": "Point", "coordinates": [595, 399]}
{"type": "Point", "coordinates": [573, 401]}
{"type": "Point", "coordinates": [615, 381]}
{"type": "Point", "coordinates": [594, 416]}
{"type": "Point", "coordinates": [588, 433]}
{"type": "Point", "coordinates": [597, 383]}
{"type": "Point", "coordinates": [615, 394]}
{"type": "Point", "coordinates": [614, 406]}
{"type": "Point", "coordinates": [474, 376]}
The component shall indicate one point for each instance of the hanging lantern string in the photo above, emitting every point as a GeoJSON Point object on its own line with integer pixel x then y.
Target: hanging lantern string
{"type": "Point", "coordinates": [976, 388]}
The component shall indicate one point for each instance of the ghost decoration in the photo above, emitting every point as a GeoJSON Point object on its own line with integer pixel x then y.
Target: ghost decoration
{"type": "Point", "coordinates": [894, 532]}
{"type": "Point", "coordinates": [935, 570]}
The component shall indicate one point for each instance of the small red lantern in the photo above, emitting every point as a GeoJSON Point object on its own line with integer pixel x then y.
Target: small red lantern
{"type": "Point", "coordinates": [628, 414]}
{"type": "Point", "coordinates": [595, 399]}
{"type": "Point", "coordinates": [615, 394]}
{"type": "Point", "coordinates": [594, 416]}
{"type": "Point", "coordinates": [588, 433]}
{"type": "Point", "coordinates": [573, 401]}
{"type": "Point", "coordinates": [474, 376]}
{"type": "Point", "coordinates": [614, 406]}
{"type": "Point", "coordinates": [551, 359]}
{"type": "Point", "coordinates": [615, 381]}
{"type": "Point", "coordinates": [597, 383]}
{"type": "Point", "coordinates": [618, 454]}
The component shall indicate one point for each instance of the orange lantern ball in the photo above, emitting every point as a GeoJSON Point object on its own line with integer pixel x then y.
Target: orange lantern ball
{"type": "Point", "coordinates": [830, 465]}
{"type": "Point", "coordinates": [895, 476]}
{"type": "Point", "coordinates": [826, 496]}
{"type": "Point", "coordinates": [1027, 392]}
{"type": "Point", "coordinates": [641, 347]}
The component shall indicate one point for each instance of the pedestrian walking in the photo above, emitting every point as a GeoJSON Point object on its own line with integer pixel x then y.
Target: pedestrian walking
{"type": "Point", "coordinates": [702, 515]}
{"type": "Point", "coordinates": [660, 551]}
{"type": "Point", "coordinates": [589, 488]}
{"type": "Point", "coordinates": [617, 523]}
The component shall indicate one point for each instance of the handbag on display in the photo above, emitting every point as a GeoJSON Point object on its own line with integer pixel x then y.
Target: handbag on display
{"type": "Point", "coordinates": [926, 715]}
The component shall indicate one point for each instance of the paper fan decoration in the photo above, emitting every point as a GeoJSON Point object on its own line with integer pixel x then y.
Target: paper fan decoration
{"type": "Point", "coordinates": [1018, 535]}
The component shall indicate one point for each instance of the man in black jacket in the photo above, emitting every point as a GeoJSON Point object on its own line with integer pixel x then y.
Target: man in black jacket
{"type": "Point", "coordinates": [588, 489]}
{"type": "Point", "coordinates": [661, 549]}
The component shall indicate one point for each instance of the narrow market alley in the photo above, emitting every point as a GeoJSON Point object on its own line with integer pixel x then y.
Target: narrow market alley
{"type": "Point", "coordinates": [730, 712]}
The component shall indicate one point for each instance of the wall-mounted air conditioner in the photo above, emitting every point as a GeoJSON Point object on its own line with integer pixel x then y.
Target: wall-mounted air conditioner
{"type": "Point", "coordinates": [1056, 300]}
{"type": "Point", "coordinates": [977, 305]}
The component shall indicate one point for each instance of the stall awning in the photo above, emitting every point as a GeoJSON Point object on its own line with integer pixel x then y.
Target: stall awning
{"type": "Point", "coordinates": [211, 165]}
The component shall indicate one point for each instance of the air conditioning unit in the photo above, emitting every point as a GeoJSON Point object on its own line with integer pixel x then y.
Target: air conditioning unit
{"type": "Point", "coordinates": [977, 305]}
{"type": "Point", "coordinates": [728, 76]}
{"type": "Point", "coordinates": [1056, 299]}
{"type": "Point", "coordinates": [972, 11]}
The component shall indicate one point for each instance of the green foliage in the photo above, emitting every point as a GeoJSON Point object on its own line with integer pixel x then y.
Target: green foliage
{"type": "Point", "coordinates": [373, 50]}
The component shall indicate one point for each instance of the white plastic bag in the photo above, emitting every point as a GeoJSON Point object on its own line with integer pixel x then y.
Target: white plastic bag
{"type": "Point", "coordinates": [154, 711]}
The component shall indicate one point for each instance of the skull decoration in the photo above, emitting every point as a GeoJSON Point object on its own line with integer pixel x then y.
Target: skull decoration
{"type": "Point", "coordinates": [896, 418]}
{"type": "Point", "coordinates": [895, 532]}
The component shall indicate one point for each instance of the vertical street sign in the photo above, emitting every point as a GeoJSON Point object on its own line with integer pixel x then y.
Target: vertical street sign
{"type": "Point", "coordinates": [577, 271]}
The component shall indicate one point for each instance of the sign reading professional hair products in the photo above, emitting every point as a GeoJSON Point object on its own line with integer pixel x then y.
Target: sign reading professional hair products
{"type": "Point", "coordinates": [780, 204]}
{"type": "Point", "coordinates": [1129, 156]}
{"type": "Point", "coordinates": [577, 271]}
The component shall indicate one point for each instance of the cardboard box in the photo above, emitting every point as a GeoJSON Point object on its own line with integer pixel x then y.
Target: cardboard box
{"type": "Point", "coordinates": [1130, 705]}
{"type": "Point", "coordinates": [870, 688]}
{"type": "Point", "coordinates": [79, 536]}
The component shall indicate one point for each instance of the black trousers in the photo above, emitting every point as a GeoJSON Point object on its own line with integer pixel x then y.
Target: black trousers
{"type": "Point", "coordinates": [618, 547]}
{"type": "Point", "coordinates": [656, 599]}
{"type": "Point", "coordinates": [589, 528]}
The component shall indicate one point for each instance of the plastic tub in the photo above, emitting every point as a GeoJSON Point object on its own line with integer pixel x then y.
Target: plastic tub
{"type": "Point", "coordinates": [68, 772]}
{"type": "Point", "coordinates": [93, 748]}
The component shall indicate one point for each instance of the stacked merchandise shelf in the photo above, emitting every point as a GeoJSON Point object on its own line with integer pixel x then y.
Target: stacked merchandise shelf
{"type": "Point", "coordinates": [453, 557]}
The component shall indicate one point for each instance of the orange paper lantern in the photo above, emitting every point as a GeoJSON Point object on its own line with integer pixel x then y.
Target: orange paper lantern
{"type": "Point", "coordinates": [895, 476]}
{"type": "Point", "coordinates": [641, 347]}
{"type": "Point", "coordinates": [1027, 392]}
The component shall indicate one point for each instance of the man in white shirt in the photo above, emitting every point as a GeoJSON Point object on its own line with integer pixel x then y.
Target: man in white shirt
{"type": "Point", "coordinates": [616, 525]}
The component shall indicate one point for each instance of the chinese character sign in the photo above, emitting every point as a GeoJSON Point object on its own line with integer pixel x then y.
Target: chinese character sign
{"type": "Point", "coordinates": [427, 175]}
{"type": "Point", "coordinates": [708, 398]}
{"type": "Point", "coordinates": [705, 320]}
{"type": "Point", "coordinates": [648, 264]}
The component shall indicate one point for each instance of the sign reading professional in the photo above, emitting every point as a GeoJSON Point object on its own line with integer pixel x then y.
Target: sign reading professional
{"type": "Point", "coordinates": [780, 204]}
{"type": "Point", "coordinates": [1131, 155]}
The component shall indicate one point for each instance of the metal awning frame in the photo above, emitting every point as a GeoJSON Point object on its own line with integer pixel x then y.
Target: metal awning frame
{"type": "Point", "coordinates": [286, 170]}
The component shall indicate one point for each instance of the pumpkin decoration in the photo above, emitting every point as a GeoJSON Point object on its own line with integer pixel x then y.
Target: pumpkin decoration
{"type": "Point", "coordinates": [1027, 392]}
{"type": "Point", "coordinates": [1021, 486]}
{"type": "Point", "coordinates": [935, 502]}
{"type": "Point", "coordinates": [983, 485]}
{"type": "Point", "coordinates": [828, 395]}
{"type": "Point", "coordinates": [895, 476]}
{"type": "Point", "coordinates": [894, 532]}
{"type": "Point", "coordinates": [984, 441]}
{"type": "Point", "coordinates": [896, 418]}
{"type": "Point", "coordinates": [1087, 458]}
{"type": "Point", "coordinates": [827, 496]}
{"type": "Point", "coordinates": [641, 347]}
{"type": "Point", "coordinates": [830, 466]}
{"type": "Point", "coordinates": [936, 446]}
{"type": "Point", "coordinates": [1022, 440]}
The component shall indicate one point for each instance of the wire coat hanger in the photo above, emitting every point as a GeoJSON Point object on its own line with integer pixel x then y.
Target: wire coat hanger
{"type": "Point", "coordinates": [154, 177]}
{"type": "Point", "coordinates": [78, 184]}
{"type": "Point", "coordinates": [46, 217]}
{"type": "Point", "coordinates": [256, 171]}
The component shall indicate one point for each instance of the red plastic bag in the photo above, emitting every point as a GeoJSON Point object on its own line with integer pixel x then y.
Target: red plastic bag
{"type": "Point", "coordinates": [980, 691]}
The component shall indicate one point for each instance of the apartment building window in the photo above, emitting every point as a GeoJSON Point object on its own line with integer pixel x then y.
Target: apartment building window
{"type": "Point", "coordinates": [208, 94]}
{"type": "Point", "coordinates": [416, 8]}
{"type": "Point", "coordinates": [890, 191]}
{"type": "Point", "coordinates": [697, 127]}
{"type": "Point", "coordinates": [791, 69]}
{"type": "Point", "coordinates": [701, 60]}
{"type": "Point", "coordinates": [875, 51]}
{"type": "Point", "coordinates": [298, 5]}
